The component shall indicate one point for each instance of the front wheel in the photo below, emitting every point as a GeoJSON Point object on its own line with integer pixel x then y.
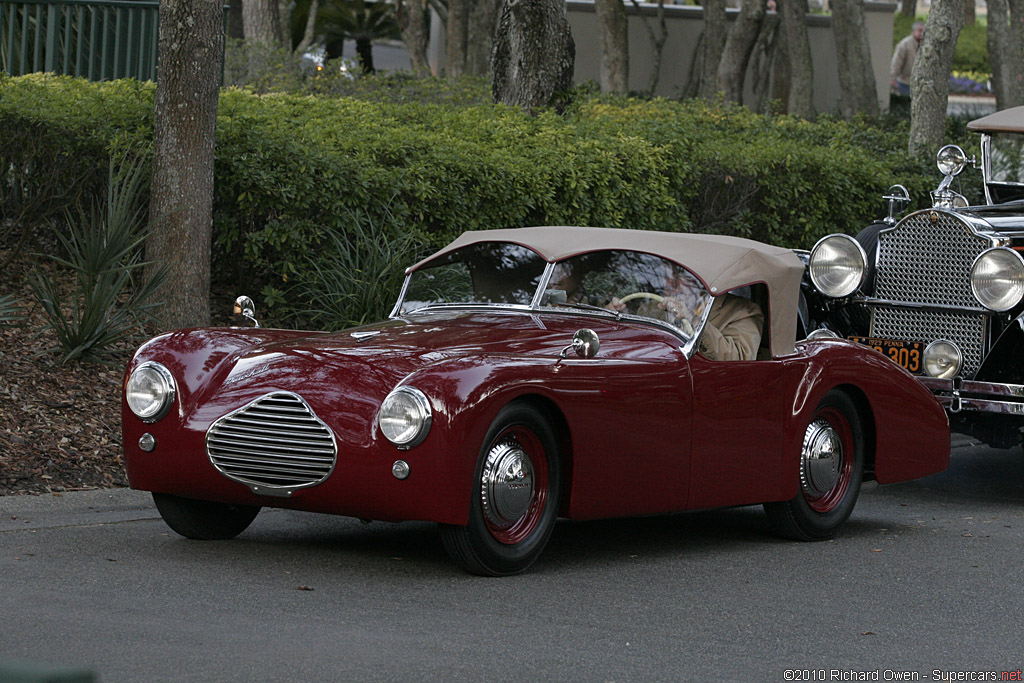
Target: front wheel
{"type": "Point", "coordinates": [831, 471]}
{"type": "Point", "coordinates": [515, 496]}
{"type": "Point", "coordinates": [202, 519]}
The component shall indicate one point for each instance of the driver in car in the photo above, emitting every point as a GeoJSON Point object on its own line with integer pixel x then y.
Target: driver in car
{"type": "Point", "coordinates": [733, 330]}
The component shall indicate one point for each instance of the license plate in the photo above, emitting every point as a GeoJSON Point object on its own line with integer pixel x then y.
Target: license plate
{"type": "Point", "coordinates": [906, 354]}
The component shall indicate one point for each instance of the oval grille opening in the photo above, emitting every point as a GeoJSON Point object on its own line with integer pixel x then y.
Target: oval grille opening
{"type": "Point", "coordinates": [276, 441]}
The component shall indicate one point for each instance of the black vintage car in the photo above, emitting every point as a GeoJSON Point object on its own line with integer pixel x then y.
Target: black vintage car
{"type": "Point", "coordinates": [941, 291]}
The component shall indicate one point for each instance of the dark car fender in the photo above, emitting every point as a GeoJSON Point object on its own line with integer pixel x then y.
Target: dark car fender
{"type": "Point", "coordinates": [905, 430]}
{"type": "Point", "coordinates": [1005, 362]}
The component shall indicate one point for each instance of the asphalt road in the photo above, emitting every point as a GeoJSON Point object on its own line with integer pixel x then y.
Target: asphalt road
{"type": "Point", "coordinates": [925, 580]}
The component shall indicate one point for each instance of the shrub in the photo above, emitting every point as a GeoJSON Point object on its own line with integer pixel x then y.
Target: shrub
{"type": "Point", "coordinates": [103, 248]}
{"type": "Point", "coordinates": [11, 312]}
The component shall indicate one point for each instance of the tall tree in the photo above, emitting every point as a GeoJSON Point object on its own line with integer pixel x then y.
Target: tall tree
{"type": "Point", "coordinates": [657, 42]}
{"type": "Point", "coordinates": [1006, 51]}
{"type": "Point", "coordinates": [738, 47]}
{"type": "Point", "coordinates": [929, 92]}
{"type": "Point", "coordinates": [534, 55]}
{"type": "Point", "coordinates": [413, 21]}
{"type": "Point", "coordinates": [483, 17]}
{"type": "Point", "coordinates": [456, 37]}
{"type": "Point", "coordinates": [801, 72]}
{"type": "Point", "coordinates": [857, 93]}
{"type": "Point", "coordinates": [715, 31]}
{"type": "Point", "coordinates": [261, 22]}
{"type": "Point", "coordinates": [611, 17]}
{"type": "Point", "coordinates": [190, 52]}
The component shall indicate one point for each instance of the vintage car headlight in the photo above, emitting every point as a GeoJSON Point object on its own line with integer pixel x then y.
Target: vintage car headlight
{"type": "Point", "coordinates": [837, 265]}
{"type": "Point", "coordinates": [942, 359]}
{"type": "Point", "coordinates": [150, 391]}
{"type": "Point", "coordinates": [405, 417]}
{"type": "Point", "coordinates": [997, 279]}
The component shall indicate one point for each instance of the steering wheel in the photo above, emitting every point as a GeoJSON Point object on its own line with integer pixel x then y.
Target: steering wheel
{"type": "Point", "coordinates": [642, 295]}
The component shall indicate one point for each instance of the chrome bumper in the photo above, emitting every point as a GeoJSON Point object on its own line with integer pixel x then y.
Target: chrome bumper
{"type": "Point", "coordinates": [959, 395]}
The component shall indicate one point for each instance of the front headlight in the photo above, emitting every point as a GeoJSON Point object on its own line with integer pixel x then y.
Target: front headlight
{"type": "Point", "coordinates": [997, 279]}
{"type": "Point", "coordinates": [150, 391]}
{"type": "Point", "coordinates": [405, 417]}
{"type": "Point", "coordinates": [950, 160]}
{"type": "Point", "coordinates": [837, 265]}
{"type": "Point", "coordinates": [942, 359]}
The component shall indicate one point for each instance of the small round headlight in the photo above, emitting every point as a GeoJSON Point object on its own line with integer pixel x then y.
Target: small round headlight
{"type": "Point", "coordinates": [822, 333]}
{"type": "Point", "coordinates": [997, 279]}
{"type": "Point", "coordinates": [837, 265]}
{"type": "Point", "coordinates": [405, 417]}
{"type": "Point", "coordinates": [942, 359]}
{"type": "Point", "coordinates": [950, 160]}
{"type": "Point", "coordinates": [150, 391]}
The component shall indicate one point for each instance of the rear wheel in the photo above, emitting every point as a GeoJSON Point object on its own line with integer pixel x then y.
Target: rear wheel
{"type": "Point", "coordinates": [515, 496]}
{"type": "Point", "coordinates": [831, 471]}
{"type": "Point", "coordinates": [204, 520]}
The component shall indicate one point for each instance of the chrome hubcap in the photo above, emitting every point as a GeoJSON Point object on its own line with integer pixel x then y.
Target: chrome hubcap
{"type": "Point", "coordinates": [822, 459]}
{"type": "Point", "coordinates": [506, 484]}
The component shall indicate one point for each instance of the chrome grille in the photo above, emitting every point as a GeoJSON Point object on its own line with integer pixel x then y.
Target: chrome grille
{"type": "Point", "coordinates": [928, 263]}
{"type": "Point", "coordinates": [921, 262]}
{"type": "Point", "coordinates": [275, 441]}
{"type": "Point", "coordinates": [966, 330]}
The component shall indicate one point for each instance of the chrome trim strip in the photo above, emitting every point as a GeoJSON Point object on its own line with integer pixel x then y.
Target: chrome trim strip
{"type": "Point", "coordinates": [889, 303]}
{"type": "Point", "coordinates": [974, 387]}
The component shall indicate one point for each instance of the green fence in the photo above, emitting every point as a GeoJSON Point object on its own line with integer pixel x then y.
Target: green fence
{"type": "Point", "coordinates": [100, 40]}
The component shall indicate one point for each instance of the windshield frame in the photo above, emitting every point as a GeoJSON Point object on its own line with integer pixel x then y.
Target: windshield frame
{"type": "Point", "coordinates": [536, 304]}
{"type": "Point", "coordinates": [986, 166]}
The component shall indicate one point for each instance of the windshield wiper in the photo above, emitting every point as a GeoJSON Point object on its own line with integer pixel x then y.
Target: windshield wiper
{"type": "Point", "coordinates": [586, 307]}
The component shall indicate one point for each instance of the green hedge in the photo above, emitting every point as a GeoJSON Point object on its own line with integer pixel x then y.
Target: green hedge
{"type": "Point", "coordinates": [292, 170]}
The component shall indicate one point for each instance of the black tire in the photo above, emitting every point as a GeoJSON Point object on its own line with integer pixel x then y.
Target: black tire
{"type": "Point", "coordinates": [204, 520]}
{"type": "Point", "coordinates": [515, 497]}
{"type": "Point", "coordinates": [868, 240]}
{"type": "Point", "coordinates": [829, 486]}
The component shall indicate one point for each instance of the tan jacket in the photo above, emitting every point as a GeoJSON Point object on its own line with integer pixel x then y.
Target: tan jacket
{"type": "Point", "coordinates": [733, 330]}
{"type": "Point", "coordinates": [903, 59]}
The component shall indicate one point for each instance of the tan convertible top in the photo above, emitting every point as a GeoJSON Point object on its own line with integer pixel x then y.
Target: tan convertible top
{"type": "Point", "coordinates": [722, 263]}
{"type": "Point", "coordinates": [1005, 121]}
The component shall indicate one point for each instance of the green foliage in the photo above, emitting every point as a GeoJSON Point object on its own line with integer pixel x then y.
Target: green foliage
{"type": "Point", "coordinates": [300, 174]}
{"type": "Point", "coordinates": [11, 312]}
{"type": "Point", "coordinates": [357, 277]}
{"type": "Point", "coordinates": [103, 247]}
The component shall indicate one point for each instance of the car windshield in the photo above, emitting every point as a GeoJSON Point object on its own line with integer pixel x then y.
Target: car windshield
{"type": "Point", "coordinates": [629, 282]}
{"type": "Point", "coordinates": [1006, 158]}
{"type": "Point", "coordinates": [485, 273]}
{"type": "Point", "coordinates": [610, 282]}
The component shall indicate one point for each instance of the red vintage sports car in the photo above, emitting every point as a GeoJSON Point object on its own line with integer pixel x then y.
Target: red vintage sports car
{"type": "Point", "coordinates": [526, 375]}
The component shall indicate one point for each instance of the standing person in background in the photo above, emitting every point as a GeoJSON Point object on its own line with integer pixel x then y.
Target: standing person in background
{"type": "Point", "coordinates": [903, 59]}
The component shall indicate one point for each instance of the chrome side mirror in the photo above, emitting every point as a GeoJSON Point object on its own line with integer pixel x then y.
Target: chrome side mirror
{"type": "Point", "coordinates": [950, 160]}
{"type": "Point", "coordinates": [245, 308]}
{"type": "Point", "coordinates": [899, 199]}
{"type": "Point", "coordinates": [584, 343]}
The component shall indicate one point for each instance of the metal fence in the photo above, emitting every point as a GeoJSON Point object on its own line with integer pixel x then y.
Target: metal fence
{"type": "Point", "coordinates": [98, 39]}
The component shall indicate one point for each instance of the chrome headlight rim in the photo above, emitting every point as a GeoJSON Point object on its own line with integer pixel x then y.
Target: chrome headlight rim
{"type": "Point", "coordinates": [951, 160]}
{"type": "Point", "coordinates": [849, 247]}
{"type": "Point", "coordinates": [166, 393]}
{"type": "Point", "coordinates": [954, 359]}
{"type": "Point", "coordinates": [1012, 295]}
{"type": "Point", "coordinates": [421, 413]}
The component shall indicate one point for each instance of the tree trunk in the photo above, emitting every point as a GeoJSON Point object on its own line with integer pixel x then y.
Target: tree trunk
{"type": "Point", "coordinates": [483, 17]}
{"type": "Point", "coordinates": [970, 12]}
{"type": "Point", "coordinates": [611, 17]}
{"type": "Point", "coordinates": [413, 21]}
{"type": "Point", "coordinates": [456, 37]}
{"type": "Point", "coordinates": [909, 8]}
{"type": "Point", "coordinates": [857, 94]}
{"type": "Point", "coordinates": [800, 101]}
{"type": "Point", "coordinates": [235, 30]}
{"type": "Point", "coordinates": [534, 55]}
{"type": "Point", "coordinates": [1006, 51]}
{"type": "Point", "coordinates": [190, 47]}
{"type": "Point", "coordinates": [769, 64]}
{"type": "Point", "coordinates": [657, 43]}
{"type": "Point", "coordinates": [309, 34]}
{"type": "Point", "coordinates": [929, 89]}
{"type": "Point", "coordinates": [261, 21]}
{"type": "Point", "coordinates": [738, 46]}
{"type": "Point", "coordinates": [284, 15]}
{"type": "Point", "coordinates": [715, 31]}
